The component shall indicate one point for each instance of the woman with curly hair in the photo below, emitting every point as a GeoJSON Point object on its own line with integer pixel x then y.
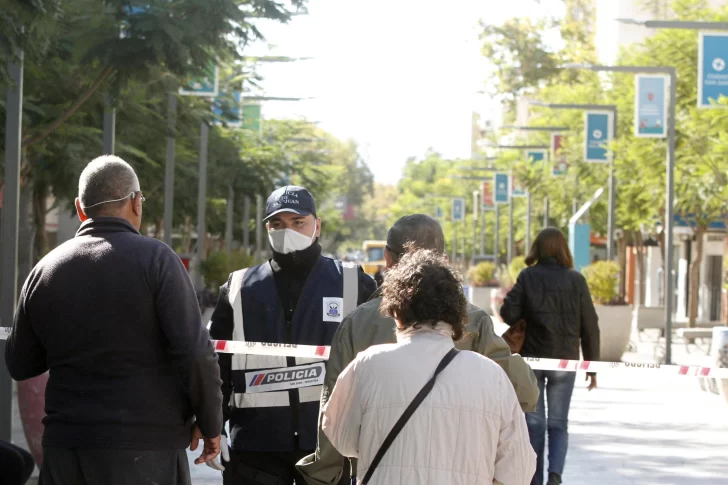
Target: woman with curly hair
{"type": "Point", "coordinates": [465, 426]}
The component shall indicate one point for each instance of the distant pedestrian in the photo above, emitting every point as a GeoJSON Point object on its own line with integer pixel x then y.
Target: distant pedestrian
{"type": "Point", "coordinates": [113, 315]}
{"type": "Point", "coordinates": [465, 423]}
{"type": "Point", "coordinates": [379, 277]}
{"type": "Point", "coordinates": [554, 302]}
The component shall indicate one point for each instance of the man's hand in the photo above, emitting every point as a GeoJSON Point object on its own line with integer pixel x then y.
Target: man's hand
{"type": "Point", "coordinates": [219, 463]}
{"type": "Point", "coordinates": [592, 382]}
{"type": "Point", "coordinates": [211, 446]}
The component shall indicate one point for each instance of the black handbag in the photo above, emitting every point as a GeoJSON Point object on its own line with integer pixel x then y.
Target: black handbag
{"type": "Point", "coordinates": [407, 414]}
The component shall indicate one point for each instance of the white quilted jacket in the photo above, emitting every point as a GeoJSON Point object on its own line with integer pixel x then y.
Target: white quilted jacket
{"type": "Point", "coordinates": [469, 430]}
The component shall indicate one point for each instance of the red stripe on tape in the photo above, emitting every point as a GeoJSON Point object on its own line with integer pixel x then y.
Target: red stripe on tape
{"type": "Point", "coordinates": [683, 370]}
{"type": "Point", "coordinates": [259, 379]}
{"type": "Point", "coordinates": [585, 365]}
{"type": "Point", "coordinates": [563, 364]}
{"type": "Point", "coordinates": [705, 371]}
{"type": "Point", "coordinates": [320, 351]}
{"type": "Point", "coordinates": [220, 345]}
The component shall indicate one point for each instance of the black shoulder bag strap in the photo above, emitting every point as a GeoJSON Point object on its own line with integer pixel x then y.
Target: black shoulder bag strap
{"type": "Point", "coordinates": [407, 415]}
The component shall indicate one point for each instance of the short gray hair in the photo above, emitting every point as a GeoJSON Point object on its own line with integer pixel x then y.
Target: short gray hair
{"type": "Point", "coordinates": [106, 178]}
{"type": "Point", "coordinates": [418, 230]}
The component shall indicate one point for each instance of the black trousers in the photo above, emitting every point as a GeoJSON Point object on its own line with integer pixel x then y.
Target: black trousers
{"type": "Point", "coordinates": [265, 468]}
{"type": "Point", "coordinates": [16, 464]}
{"type": "Point", "coordinates": [63, 466]}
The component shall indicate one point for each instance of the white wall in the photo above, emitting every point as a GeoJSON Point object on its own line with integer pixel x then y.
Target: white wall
{"type": "Point", "coordinates": [653, 261]}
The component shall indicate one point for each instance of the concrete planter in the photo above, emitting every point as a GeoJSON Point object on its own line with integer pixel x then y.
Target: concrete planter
{"type": "Point", "coordinates": [615, 328]}
{"type": "Point", "coordinates": [480, 296]}
{"type": "Point", "coordinates": [644, 318]}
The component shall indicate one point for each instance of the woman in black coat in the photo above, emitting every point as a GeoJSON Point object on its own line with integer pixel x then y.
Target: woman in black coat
{"type": "Point", "coordinates": [554, 301]}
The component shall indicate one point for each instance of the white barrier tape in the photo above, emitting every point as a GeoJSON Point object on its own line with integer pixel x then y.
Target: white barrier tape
{"type": "Point", "coordinates": [322, 352]}
{"type": "Point", "coordinates": [292, 350]}
{"type": "Point", "coordinates": [276, 350]}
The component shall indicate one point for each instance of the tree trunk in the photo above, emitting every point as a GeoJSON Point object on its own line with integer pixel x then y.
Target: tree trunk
{"type": "Point", "coordinates": [663, 286]}
{"type": "Point", "coordinates": [695, 275]}
{"type": "Point", "coordinates": [40, 241]}
{"type": "Point", "coordinates": [622, 257]}
{"type": "Point", "coordinates": [186, 236]}
{"type": "Point", "coordinates": [158, 226]}
{"type": "Point", "coordinates": [640, 251]}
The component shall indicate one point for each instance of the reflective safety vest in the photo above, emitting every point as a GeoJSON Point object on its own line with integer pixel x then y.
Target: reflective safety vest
{"type": "Point", "coordinates": [276, 419]}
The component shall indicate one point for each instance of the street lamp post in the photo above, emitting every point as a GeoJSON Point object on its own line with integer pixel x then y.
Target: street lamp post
{"type": "Point", "coordinates": [670, 71]}
{"type": "Point", "coordinates": [10, 221]}
{"type": "Point", "coordinates": [676, 24]}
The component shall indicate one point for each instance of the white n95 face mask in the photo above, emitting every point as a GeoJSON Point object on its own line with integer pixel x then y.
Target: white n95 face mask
{"type": "Point", "coordinates": [286, 241]}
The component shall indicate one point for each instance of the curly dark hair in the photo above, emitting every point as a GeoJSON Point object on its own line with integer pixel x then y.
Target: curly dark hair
{"type": "Point", "coordinates": [422, 289]}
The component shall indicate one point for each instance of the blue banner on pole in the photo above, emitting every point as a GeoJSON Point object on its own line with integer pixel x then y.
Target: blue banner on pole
{"type": "Point", "coordinates": [229, 109]}
{"type": "Point", "coordinates": [712, 72]}
{"type": "Point", "coordinates": [598, 134]}
{"type": "Point", "coordinates": [650, 106]}
{"type": "Point", "coordinates": [502, 188]}
{"type": "Point", "coordinates": [458, 210]}
{"type": "Point", "coordinates": [537, 156]}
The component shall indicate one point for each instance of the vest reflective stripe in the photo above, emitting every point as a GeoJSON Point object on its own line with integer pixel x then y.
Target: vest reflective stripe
{"type": "Point", "coordinates": [264, 399]}
{"type": "Point", "coordinates": [351, 286]}
{"type": "Point", "coordinates": [309, 394]}
{"type": "Point", "coordinates": [243, 362]}
{"type": "Point", "coordinates": [313, 393]}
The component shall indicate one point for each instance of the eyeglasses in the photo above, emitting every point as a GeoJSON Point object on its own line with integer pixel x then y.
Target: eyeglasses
{"type": "Point", "coordinates": [130, 196]}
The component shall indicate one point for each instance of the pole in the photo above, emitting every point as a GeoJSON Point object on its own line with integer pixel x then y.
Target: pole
{"type": "Point", "coordinates": [475, 227]}
{"type": "Point", "coordinates": [201, 205]}
{"type": "Point", "coordinates": [229, 220]}
{"type": "Point", "coordinates": [670, 218]}
{"type": "Point", "coordinates": [109, 125]}
{"type": "Point", "coordinates": [482, 230]}
{"type": "Point", "coordinates": [545, 212]}
{"type": "Point", "coordinates": [612, 196]}
{"type": "Point", "coordinates": [454, 243]}
{"type": "Point", "coordinates": [510, 230]}
{"type": "Point", "coordinates": [258, 226]}
{"type": "Point", "coordinates": [10, 220]}
{"type": "Point", "coordinates": [528, 222]}
{"type": "Point", "coordinates": [246, 224]}
{"type": "Point", "coordinates": [496, 239]}
{"type": "Point", "coordinates": [169, 168]}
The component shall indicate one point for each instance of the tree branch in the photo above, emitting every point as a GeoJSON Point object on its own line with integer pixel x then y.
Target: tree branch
{"type": "Point", "coordinates": [70, 111]}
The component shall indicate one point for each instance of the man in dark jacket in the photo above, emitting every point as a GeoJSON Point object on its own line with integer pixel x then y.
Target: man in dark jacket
{"type": "Point", "coordinates": [297, 297]}
{"type": "Point", "coordinates": [112, 314]}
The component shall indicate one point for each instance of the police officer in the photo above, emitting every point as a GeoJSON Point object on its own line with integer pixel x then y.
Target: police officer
{"type": "Point", "coordinates": [297, 297]}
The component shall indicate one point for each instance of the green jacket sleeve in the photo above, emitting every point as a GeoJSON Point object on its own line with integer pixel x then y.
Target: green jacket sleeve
{"type": "Point", "coordinates": [487, 343]}
{"type": "Point", "coordinates": [326, 465]}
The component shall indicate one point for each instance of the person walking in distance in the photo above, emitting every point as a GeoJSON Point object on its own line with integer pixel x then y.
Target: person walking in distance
{"type": "Point", "coordinates": [366, 326]}
{"type": "Point", "coordinates": [420, 411]}
{"type": "Point", "coordinates": [113, 315]}
{"type": "Point", "coordinates": [554, 302]}
{"type": "Point", "coordinates": [297, 297]}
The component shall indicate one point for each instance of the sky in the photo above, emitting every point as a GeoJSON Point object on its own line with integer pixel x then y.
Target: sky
{"type": "Point", "coordinates": [396, 76]}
